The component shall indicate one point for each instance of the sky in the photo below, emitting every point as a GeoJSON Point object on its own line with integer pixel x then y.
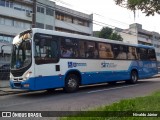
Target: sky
{"type": "Point", "coordinates": [107, 13]}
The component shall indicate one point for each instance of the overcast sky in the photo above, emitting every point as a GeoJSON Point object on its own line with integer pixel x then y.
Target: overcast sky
{"type": "Point", "coordinates": [111, 15]}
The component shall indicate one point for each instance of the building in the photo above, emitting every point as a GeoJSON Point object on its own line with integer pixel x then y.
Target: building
{"type": "Point", "coordinates": [19, 15]}
{"type": "Point", "coordinates": [136, 35]}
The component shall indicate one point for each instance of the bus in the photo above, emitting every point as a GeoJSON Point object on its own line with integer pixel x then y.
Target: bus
{"type": "Point", "coordinates": [46, 60]}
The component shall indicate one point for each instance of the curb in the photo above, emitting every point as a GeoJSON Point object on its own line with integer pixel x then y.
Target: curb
{"type": "Point", "coordinates": [3, 93]}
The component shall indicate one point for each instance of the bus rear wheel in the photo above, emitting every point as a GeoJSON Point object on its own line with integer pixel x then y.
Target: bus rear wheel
{"type": "Point", "coordinates": [71, 83]}
{"type": "Point", "coordinates": [133, 77]}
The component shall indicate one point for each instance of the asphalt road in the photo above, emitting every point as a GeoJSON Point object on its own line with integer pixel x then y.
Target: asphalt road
{"type": "Point", "coordinates": [86, 98]}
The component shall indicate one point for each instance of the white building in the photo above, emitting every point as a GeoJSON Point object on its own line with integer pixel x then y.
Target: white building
{"type": "Point", "coordinates": [136, 35]}
{"type": "Point", "coordinates": [19, 15]}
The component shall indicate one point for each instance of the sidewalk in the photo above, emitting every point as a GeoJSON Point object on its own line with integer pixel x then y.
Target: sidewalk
{"type": "Point", "coordinates": [6, 90]}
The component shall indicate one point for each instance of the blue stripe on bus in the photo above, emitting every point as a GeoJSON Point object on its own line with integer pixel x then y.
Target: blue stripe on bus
{"type": "Point", "coordinates": [46, 82]}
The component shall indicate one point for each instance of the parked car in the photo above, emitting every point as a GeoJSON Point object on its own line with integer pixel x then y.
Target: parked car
{"type": "Point", "coordinates": [4, 72]}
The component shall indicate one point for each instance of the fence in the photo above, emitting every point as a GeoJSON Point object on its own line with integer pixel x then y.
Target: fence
{"type": "Point", "coordinates": [4, 72]}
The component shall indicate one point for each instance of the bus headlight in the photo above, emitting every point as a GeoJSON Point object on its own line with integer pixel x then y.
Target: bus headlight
{"type": "Point", "coordinates": [27, 75]}
{"type": "Point", "coordinates": [11, 76]}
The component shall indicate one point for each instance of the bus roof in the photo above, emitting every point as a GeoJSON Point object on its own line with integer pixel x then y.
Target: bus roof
{"type": "Point", "coordinates": [65, 34]}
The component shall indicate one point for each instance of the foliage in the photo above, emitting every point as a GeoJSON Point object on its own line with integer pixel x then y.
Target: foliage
{"type": "Point", "coordinates": [146, 105]}
{"type": "Point", "coordinates": [149, 7]}
{"type": "Point", "coordinates": [108, 33]}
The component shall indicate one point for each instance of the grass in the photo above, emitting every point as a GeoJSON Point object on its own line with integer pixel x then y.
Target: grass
{"type": "Point", "coordinates": [123, 110]}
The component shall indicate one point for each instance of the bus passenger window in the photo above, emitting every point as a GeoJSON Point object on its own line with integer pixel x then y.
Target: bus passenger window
{"type": "Point", "coordinates": [90, 50]}
{"type": "Point", "coordinates": [151, 54]}
{"type": "Point", "coordinates": [69, 48]}
{"type": "Point", "coordinates": [132, 53]}
{"type": "Point", "coordinates": [105, 50]}
{"type": "Point", "coordinates": [120, 52]}
{"type": "Point", "coordinates": [142, 52]}
{"type": "Point", "coordinates": [81, 49]}
{"type": "Point", "coordinates": [65, 52]}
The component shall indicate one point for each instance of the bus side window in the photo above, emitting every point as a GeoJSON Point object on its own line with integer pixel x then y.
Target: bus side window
{"type": "Point", "coordinates": [120, 52]}
{"type": "Point", "coordinates": [142, 53]}
{"type": "Point", "coordinates": [90, 50]}
{"type": "Point", "coordinates": [105, 51]}
{"type": "Point", "coordinates": [81, 49]}
{"type": "Point", "coordinates": [132, 53]}
{"type": "Point", "coordinates": [69, 48]}
{"type": "Point", "coordinates": [151, 54]}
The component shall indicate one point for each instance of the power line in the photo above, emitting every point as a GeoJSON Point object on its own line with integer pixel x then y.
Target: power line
{"type": "Point", "coordinates": [66, 3]}
{"type": "Point", "coordinates": [93, 21]}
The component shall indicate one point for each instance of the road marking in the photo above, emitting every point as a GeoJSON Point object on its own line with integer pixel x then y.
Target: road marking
{"type": "Point", "coordinates": [112, 88]}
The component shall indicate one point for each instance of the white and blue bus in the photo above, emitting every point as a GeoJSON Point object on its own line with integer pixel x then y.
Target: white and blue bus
{"type": "Point", "coordinates": [46, 60]}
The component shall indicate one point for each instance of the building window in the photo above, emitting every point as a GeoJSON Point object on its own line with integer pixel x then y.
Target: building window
{"type": "Point", "coordinates": [71, 19]}
{"type": "Point", "coordinates": [11, 4]}
{"type": "Point", "coordinates": [15, 23]}
{"type": "Point", "coordinates": [2, 21]}
{"type": "Point", "coordinates": [2, 2]}
{"type": "Point", "coordinates": [7, 3]}
{"type": "Point", "coordinates": [27, 25]}
{"type": "Point", "coordinates": [1, 38]}
{"type": "Point", "coordinates": [18, 24]}
{"type": "Point", "coordinates": [15, 5]}
{"type": "Point", "coordinates": [40, 25]}
{"type": "Point", "coordinates": [49, 27]}
{"type": "Point", "coordinates": [49, 12]}
{"type": "Point", "coordinates": [6, 39]}
{"type": "Point", "coordinates": [18, 6]}
{"type": "Point", "coordinates": [40, 9]}
{"type": "Point", "coordinates": [9, 22]}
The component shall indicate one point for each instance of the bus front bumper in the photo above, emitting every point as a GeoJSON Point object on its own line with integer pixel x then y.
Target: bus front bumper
{"type": "Point", "coordinates": [26, 85]}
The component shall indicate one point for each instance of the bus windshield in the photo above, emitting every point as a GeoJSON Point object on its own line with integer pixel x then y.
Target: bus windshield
{"type": "Point", "coordinates": [21, 51]}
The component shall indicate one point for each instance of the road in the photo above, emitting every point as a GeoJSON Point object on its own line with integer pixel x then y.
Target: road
{"type": "Point", "coordinates": [86, 98]}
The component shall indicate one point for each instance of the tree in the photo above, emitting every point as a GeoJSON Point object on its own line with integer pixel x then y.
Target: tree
{"type": "Point", "coordinates": [108, 33]}
{"type": "Point", "coordinates": [149, 7]}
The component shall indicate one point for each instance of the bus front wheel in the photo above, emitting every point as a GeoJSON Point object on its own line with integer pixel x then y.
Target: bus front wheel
{"type": "Point", "coordinates": [71, 83]}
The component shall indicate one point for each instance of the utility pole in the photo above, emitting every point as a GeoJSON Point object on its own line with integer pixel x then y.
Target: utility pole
{"type": "Point", "coordinates": [34, 14]}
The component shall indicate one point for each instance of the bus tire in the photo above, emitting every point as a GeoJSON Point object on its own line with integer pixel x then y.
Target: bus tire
{"type": "Point", "coordinates": [71, 83]}
{"type": "Point", "coordinates": [133, 77]}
